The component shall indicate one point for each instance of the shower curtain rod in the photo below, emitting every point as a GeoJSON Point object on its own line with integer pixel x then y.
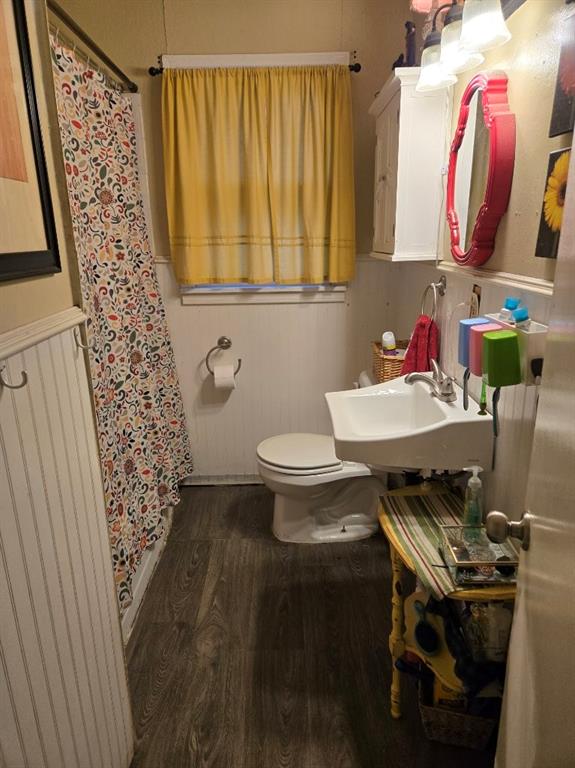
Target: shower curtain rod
{"type": "Point", "coordinates": [153, 71]}
{"type": "Point", "coordinates": [94, 47]}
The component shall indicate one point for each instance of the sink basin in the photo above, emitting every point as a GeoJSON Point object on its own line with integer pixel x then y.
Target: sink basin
{"type": "Point", "coordinates": [402, 426]}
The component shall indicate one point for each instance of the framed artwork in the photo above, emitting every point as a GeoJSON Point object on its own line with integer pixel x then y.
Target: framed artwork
{"type": "Point", "coordinates": [28, 244]}
{"type": "Point", "coordinates": [553, 204]}
{"type": "Point", "coordinates": [563, 115]}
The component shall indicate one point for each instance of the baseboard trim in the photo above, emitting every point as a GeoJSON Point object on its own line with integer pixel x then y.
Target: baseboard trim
{"type": "Point", "coordinates": [221, 480]}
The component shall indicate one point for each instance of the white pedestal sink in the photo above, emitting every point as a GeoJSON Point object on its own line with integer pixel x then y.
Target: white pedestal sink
{"type": "Point", "coordinates": [399, 425]}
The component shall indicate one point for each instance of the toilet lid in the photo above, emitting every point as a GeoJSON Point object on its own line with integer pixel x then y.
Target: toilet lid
{"type": "Point", "coordinates": [299, 450]}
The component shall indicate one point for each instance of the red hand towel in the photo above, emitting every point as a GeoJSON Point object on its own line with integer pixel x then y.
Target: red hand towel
{"type": "Point", "coordinates": [423, 346]}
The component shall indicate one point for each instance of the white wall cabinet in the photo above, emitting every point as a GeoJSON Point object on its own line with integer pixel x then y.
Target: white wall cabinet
{"type": "Point", "coordinates": [411, 131]}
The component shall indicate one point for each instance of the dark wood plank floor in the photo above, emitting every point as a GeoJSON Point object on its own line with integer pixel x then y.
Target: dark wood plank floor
{"type": "Point", "coordinates": [250, 653]}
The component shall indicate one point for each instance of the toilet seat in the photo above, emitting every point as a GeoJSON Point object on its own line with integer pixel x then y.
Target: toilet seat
{"type": "Point", "coordinates": [299, 453]}
{"type": "Point", "coordinates": [303, 459]}
{"type": "Point", "coordinates": [279, 476]}
{"type": "Point", "coordinates": [299, 472]}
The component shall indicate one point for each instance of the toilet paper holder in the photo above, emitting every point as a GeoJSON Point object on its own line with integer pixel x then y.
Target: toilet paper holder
{"type": "Point", "coordinates": [224, 342]}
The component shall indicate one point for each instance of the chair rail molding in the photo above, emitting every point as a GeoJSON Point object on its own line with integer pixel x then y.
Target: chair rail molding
{"type": "Point", "coordinates": [17, 340]}
{"type": "Point", "coordinates": [522, 282]}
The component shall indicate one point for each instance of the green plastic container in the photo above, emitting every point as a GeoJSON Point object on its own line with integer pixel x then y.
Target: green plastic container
{"type": "Point", "coordinates": [500, 359]}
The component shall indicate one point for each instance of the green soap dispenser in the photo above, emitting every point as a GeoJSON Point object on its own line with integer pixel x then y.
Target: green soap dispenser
{"type": "Point", "coordinates": [473, 509]}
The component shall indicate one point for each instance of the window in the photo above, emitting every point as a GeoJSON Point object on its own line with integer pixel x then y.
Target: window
{"type": "Point", "coordinates": [259, 181]}
{"type": "Point", "coordinates": [272, 293]}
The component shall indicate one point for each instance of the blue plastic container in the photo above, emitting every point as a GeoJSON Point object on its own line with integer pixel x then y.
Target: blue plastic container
{"type": "Point", "coordinates": [464, 328]}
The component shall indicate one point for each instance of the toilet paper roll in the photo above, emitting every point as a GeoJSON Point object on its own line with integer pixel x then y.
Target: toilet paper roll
{"type": "Point", "coordinates": [224, 376]}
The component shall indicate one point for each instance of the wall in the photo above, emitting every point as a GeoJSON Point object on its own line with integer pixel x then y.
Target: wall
{"type": "Point", "coordinates": [291, 354]}
{"type": "Point", "coordinates": [530, 61]}
{"type": "Point", "coordinates": [134, 32]}
{"type": "Point", "coordinates": [65, 700]}
{"type": "Point", "coordinates": [22, 301]}
{"type": "Point", "coordinates": [505, 487]}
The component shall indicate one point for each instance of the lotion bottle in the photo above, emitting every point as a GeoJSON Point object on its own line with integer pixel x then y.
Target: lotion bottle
{"type": "Point", "coordinates": [388, 343]}
{"type": "Point", "coordinates": [473, 508]}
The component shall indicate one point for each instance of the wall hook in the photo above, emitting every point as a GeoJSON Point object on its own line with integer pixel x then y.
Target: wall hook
{"type": "Point", "coordinates": [224, 342]}
{"type": "Point", "coordinates": [7, 384]}
{"type": "Point", "coordinates": [78, 340]}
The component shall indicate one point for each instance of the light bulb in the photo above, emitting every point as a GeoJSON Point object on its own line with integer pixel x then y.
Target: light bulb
{"type": "Point", "coordinates": [433, 75]}
{"type": "Point", "coordinates": [484, 26]}
{"type": "Point", "coordinates": [454, 58]}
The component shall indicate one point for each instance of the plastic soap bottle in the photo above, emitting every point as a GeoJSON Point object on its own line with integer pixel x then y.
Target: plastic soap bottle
{"type": "Point", "coordinates": [510, 304]}
{"type": "Point", "coordinates": [521, 317]}
{"type": "Point", "coordinates": [473, 509]}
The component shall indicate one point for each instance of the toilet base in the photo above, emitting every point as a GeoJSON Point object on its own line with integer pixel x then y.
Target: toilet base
{"type": "Point", "coordinates": [347, 511]}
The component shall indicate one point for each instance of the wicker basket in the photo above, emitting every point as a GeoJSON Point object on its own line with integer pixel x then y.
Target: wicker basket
{"type": "Point", "coordinates": [454, 728]}
{"type": "Point", "coordinates": [386, 367]}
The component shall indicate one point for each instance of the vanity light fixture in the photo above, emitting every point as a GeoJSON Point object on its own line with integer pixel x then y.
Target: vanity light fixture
{"type": "Point", "coordinates": [454, 58]}
{"type": "Point", "coordinates": [483, 25]}
{"type": "Point", "coordinates": [433, 75]}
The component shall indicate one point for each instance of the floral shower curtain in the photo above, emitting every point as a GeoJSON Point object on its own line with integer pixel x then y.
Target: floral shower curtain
{"type": "Point", "coordinates": [144, 446]}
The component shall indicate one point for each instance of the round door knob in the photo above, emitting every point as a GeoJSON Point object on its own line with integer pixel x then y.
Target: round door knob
{"type": "Point", "coordinates": [498, 527]}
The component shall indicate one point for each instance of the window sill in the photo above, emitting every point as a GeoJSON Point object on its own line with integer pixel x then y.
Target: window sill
{"type": "Point", "coordinates": [289, 294]}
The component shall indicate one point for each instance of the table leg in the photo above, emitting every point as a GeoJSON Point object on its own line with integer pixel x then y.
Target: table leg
{"type": "Point", "coordinates": [396, 641]}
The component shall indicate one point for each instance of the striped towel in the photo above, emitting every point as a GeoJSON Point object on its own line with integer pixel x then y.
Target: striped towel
{"type": "Point", "coordinates": [415, 520]}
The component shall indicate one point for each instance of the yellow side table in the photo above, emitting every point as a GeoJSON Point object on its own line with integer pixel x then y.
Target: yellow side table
{"type": "Point", "coordinates": [401, 638]}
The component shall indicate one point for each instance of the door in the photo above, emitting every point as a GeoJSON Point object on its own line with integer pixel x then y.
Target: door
{"type": "Point", "coordinates": [385, 192]}
{"type": "Point", "coordinates": [537, 727]}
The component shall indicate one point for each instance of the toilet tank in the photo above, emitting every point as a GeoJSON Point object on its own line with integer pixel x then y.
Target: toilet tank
{"type": "Point", "coordinates": [365, 379]}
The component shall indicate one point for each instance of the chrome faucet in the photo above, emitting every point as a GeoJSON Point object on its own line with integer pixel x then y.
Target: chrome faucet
{"type": "Point", "coordinates": [441, 384]}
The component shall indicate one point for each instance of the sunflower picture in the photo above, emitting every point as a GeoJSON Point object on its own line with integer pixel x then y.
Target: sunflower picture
{"type": "Point", "coordinates": [563, 115]}
{"type": "Point", "coordinates": [553, 204]}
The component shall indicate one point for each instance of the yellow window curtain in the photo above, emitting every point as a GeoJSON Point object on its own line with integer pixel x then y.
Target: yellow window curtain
{"type": "Point", "coordinates": [259, 174]}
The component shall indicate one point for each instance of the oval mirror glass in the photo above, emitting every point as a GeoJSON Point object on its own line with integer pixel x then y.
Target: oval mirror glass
{"type": "Point", "coordinates": [472, 170]}
{"type": "Point", "coordinates": [480, 168]}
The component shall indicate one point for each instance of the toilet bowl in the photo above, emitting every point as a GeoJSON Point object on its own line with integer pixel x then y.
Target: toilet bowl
{"type": "Point", "coordinates": [318, 497]}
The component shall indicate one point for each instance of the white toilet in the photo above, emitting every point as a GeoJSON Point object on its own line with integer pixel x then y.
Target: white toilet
{"type": "Point", "coordinates": [318, 498]}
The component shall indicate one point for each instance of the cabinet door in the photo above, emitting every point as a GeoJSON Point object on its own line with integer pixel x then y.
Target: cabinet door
{"type": "Point", "coordinates": [385, 188]}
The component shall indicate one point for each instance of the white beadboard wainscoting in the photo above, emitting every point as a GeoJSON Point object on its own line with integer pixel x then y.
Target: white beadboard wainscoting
{"type": "Point", "coordinates": [505, 487]}
{"type": "Point", "coordinates": [65, 700]}
{"type": "Point", "coordinates": [291, 355]}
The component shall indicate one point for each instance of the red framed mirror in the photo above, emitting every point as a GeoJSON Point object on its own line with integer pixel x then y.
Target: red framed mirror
{"type": "Point", "coordinates": [491, 172]}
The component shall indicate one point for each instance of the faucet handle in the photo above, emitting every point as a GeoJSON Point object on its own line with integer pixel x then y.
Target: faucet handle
{"type": "Point", "coordinates": [438, 374]}
{"type": "Point", "coordinates": [446, 387]}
